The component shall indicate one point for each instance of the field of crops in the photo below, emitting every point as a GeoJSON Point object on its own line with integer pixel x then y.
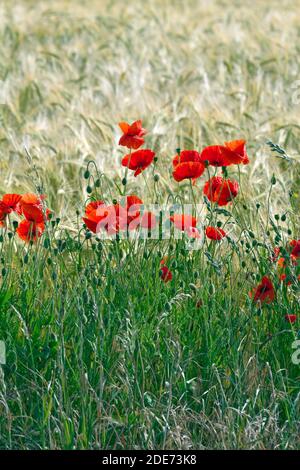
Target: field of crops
{"type": "Point", "coordinates": [149, 224]}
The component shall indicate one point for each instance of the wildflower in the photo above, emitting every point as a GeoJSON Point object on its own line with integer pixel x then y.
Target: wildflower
{"type": "Point", "coordinates": [291, 318]}
{"type": "Point", "coordinates": [92, 206]}
{"type": "Point", "coordinates": [295, 245]}
{"type": "Point", "coordinates": [215, 233]}
{"type": "Point", "coordinates": [132, 137]}
{"type": "Point", "coordinates": [8, 204]}
{"type": "Point", "coordinates": [31, 206]}
{"type": "Point", "coordinates": [29, 230]}
{"type": "Point", "coordinates": [186, 223]}
{"type": "Point", "coordinates": [231, 153]}
{"type": "Point", "coordinates": [165, 274]}
{"type": "Point", "coordinates": [183, 221]}
{"type": "Point", "coordinates": [264, 292]}
{"type": "Point", "coordinates": [114, 218]}
{"type": "Point", "coordinates": [139, 160]}
{"type": "Point", "coordinates": [12, 201]}
{"type": "Point", "coordinates": [220, 190]}
{"type": "Point", "coordinates": [187, 165]}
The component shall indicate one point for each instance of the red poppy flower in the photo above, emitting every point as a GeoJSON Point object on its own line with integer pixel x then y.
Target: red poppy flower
{"type": "Point", "coordinates": [284, 278]}
{"type": "Point", "coordinates": [220, 190]}
{"type": "Point", "coordinates": [32, 208]}
{"type": "Point", "coordinates": [105, 217]}
{"type": "Point", "coordinates": [187, 165]}
{"type": "Point", "coordinates": [275, 254]}
{"type": "Point", "coordinates": [30, 231]}
{"type": "Point", "coordinates": [291, 318]}
{"type": "Point", "coordinates": [132, 137]}
{"type": "Point", "coordinates": [92, 206]}
{"type": "Point", "coordinates": [264, 292]}
{"type": "Point", "coordinates": [148, 220]}
{"type": "Point", "coordinates": [231, 153]}
{"type": "Point", "coordinates": [139, 160]}
{"type": "Point", "coordinates": [4, 211]}
{"type": "Point", "coordinates": [215, 233]}
{"type": "Point", "coordinates": [183, 221]}
{"type": "Point", "coordinates": [114, 218]}
{"type": "Point", "coordinates": [295, 245]}
{"type": "Point", "coordinates": [165, 274]}
{"type": "Point", "coordinates": [12, 201]}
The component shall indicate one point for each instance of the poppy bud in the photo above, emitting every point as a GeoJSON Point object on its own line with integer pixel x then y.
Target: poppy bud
{"type": "Point", "coordinates": [10, 234]}
{"type": "Point", "coordinates": [283, 218]}
{"type": "Point", "coordinates": [89, 189]}
{"type": "Point", "coordinates": [156, 178]}
{"type": "Point", "coordinates": [289, 232]}
{"type": "Point", "coordinates": [219, 224]}
{"type": "Point", "coordinates": [224, 171]}
{"type": "Point", "coordinates": [115, 202]}
{"type": "Point", "coordinates": [155, 159]}
{"type": "Point", "coordinates": [88, 235]}
{"type": "Point", "coordinates": [257, 205]}
{"type": "Point", "coordinates": [97, 183]}
{"type": "Point", "coordinates": [46, 243]}
{"type": "Point", "coordinates": [178, 151]}
{"type": "Point", "coordinates": [49, 261]}
{"type": "Point", "coordinates": [57, 220]}
{"type": "Point", "coordinates": [15, 224]}
{"type": "Point", "coordinates": [1, 238]}
{"type": "Point", "coordinates": [86, 174]}
{"type": "Point", "coordinates": [211, 289]}
{"type": "Point", "coordinates": [273, 180]}
{"type": "Point", "coordinates": [124, 181]}
{"type": "Point", "coordinates": [77, 212]}
{"type": "Point", "coordinates": [276, 216]}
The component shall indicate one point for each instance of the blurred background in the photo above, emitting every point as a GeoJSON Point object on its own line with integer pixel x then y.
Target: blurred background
{"type": "Point", "coordinates": [196, 73]}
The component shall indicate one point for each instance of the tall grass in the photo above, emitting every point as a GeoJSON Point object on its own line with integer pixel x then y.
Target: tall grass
{"type": "Point", "coordinates": [100, 352]}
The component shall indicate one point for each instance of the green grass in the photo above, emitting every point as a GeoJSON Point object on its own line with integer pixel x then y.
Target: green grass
{"type": "Point", "coordinates": [100, 352]}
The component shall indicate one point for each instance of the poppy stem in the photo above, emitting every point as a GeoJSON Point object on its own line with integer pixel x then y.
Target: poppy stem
{"type": "Point", "coordinates": [124, 181]}
{"type": "Point", "coordinates": [193, 198]}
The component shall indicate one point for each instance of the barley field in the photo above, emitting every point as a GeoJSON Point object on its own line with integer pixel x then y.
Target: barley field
{"type": "Point", "coordinates": [110, 339]}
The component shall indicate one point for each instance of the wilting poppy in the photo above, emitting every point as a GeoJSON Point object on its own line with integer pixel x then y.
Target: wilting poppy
{"type": "Point", "coordinates": [214, 233]}
{"type": "Point", "coordinates": [165, 274]}
{"type": "Point", "coordinates": [29, 230]}
{"type": "Point", "coordinates": [291, 318]}
{"type": "Point", "coordinates": [132, 137]}
{"type": "Point", "coordinates": [187, 165]}
{"type": "Point", "coordinates": [231, 153]}
{"type": "Point", "coordinates": [264, 292]}
{"type": "Point", "coordinates": [138, 161]}
{"type": "Point", "coordinates": [220, 190]}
